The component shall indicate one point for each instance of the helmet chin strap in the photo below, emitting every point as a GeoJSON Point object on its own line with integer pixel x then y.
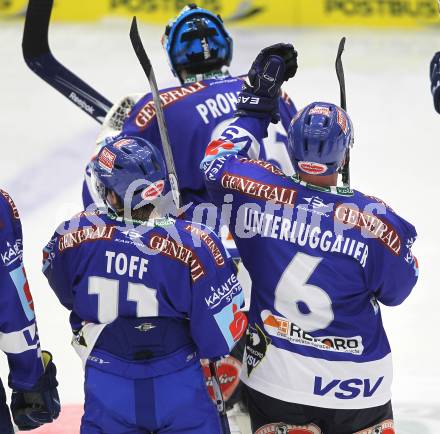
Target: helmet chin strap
{"type": "Point", "coordinates": [344, 170]}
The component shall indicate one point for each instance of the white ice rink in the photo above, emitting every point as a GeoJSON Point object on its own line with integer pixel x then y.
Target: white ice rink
{"type": "Point", "coordinates": [46, 141]}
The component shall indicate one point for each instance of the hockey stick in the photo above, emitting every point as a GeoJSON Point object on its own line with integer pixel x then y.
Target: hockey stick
{"type": "Point", "coordinates": [220, 402]}
{"type": "Point", "coordinates": [37, 54]}
{"type": "Point", "coordinates": [148, 69]}
{"type": "Point", "coordinates": [340, 74]}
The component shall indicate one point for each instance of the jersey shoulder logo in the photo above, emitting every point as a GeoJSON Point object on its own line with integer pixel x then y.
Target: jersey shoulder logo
{"type": "Point", "coordinates": [378, 200]}
{"type": "Point", "coordinates": [209, 242]}
{"type": "Point", "coordinates": [264, 165]}
{"type": "Point", "coordinates": [85, 234]}
{"type": "Point", "coordinates": [259, 190]}
{"type": "Point", "coordinates": [174, 250]}
{"type": "Point", "coordinates": [11, 203]}
{"type": "Point", "coordinates": [148, 111]}
{"type": "Point", "coordinates": [371, 225]}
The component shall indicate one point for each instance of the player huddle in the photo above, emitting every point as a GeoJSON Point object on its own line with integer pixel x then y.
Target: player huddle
{"type": "Point", "coordinates": [153, 290]}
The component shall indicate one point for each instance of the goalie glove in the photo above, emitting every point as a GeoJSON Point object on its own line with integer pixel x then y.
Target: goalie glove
{"type": "Point", "coordinates": [32, 408]}
{"type": "Point", "coordinates": [434, 72]}
{"type": "Point", "coordinates": [273, 66]}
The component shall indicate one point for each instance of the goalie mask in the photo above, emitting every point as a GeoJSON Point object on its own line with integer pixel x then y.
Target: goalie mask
{"type": "Point", "coordinates": [197, 42]}
{"type": "Point", "coordinates": [132, 168]}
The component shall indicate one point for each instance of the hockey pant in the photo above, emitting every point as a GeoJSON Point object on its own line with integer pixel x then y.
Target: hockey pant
{"type": "Point", "coordinates": [171, 403]}
{"type": "Point", "coordinates": [270, 415]}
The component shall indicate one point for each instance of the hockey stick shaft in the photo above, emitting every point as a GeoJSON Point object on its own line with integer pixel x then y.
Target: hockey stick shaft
{"type": "Point", "coordinates": [39, 58]}
{"type": "Point", "coordinates": [341, 79]}
{"type": "Point", "coordinates": [148, 69]}
{"type": "Point", "coordinates": [220, 402]}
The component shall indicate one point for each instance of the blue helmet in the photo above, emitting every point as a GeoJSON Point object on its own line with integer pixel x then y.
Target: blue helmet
{"type": "Point", "coordinates": [318, 138]}
{"type": "Point", "coordinates": [197, 41]}
{"type": "Point", "coordinates": [130, 165]}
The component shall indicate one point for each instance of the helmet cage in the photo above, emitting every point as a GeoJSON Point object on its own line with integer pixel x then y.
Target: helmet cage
{"type": "Point", "coordinates": [209, 57]}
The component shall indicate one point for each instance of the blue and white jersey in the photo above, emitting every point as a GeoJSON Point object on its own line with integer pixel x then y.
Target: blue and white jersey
{"type": "Point", "coordinates": [321, 261]}
{"type": "Point", "coordinates": [196, 114]}
{"type": "Point", "coordinates": [18, 330]}
{"type": "Point", "coordinates": [104, 268]}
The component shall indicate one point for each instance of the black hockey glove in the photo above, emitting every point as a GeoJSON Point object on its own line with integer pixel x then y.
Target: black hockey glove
{"type": "Point", "coordinates": [33, 408]}
{"type": "Point", "coordinates": [273, 66]}
{"type": "Point", "coordinates": [434, 72]}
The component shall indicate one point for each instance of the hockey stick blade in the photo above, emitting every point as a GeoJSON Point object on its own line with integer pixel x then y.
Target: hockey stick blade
{"type": "Point", "coordinates": [146, 66]}
{"type": "Point", "coordinates": [220, 402]}
{"type": "Point", "coordinates": [340, 73]}
{"type": "Point", "coordinates": [39, 58]}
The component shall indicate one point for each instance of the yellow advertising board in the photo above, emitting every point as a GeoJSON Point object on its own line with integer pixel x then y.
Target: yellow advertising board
{"type": "Point", "coordinates": [12, 8]}
{"type": "Point", "coordinates": [370, 13]}
{"type": "Point", "coordinates": [375, 13]}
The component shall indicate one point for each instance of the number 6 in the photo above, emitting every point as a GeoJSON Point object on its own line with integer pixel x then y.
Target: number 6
{"type": "Point", "coordinates": [293, 288]}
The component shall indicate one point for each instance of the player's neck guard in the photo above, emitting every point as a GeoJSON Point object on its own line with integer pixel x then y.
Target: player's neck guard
{"type": "Point", "coordinates": [154, 220]}
{"type": "Point", "coordinates": [333, 189]}
{"type": "Point", "coordinates": [213, 75]}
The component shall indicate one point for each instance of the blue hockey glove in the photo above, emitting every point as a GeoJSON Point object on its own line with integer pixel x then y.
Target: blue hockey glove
{"type": "Point", "coordinates": [434, 72]}
{"type": "Point", "coordinates": [32, 408]}
{"type": "Point", "coordinates": [273, 66]}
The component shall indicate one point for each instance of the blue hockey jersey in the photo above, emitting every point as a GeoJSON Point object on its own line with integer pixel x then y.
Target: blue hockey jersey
{"type": "Point", "coordinates": [321, 260]}
{"type": "Point", "coordinates": [171, 281]}
{"type": "Point", "coordinates": [195, 114]}
{"type": "Point", "coordinates": [18, 330]}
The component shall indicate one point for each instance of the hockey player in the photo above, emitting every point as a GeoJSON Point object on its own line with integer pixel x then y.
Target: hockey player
{"type": "Point", "coordinates": [434, 73]}
{"type": "Point", "coordinates": [32, 373]}
{"type": "Point", "coordinates": [321, 259]}
{"type": "Point", "coordinates": [199, 50]}
{"type": "Point", "coordinates": [149, 297]}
